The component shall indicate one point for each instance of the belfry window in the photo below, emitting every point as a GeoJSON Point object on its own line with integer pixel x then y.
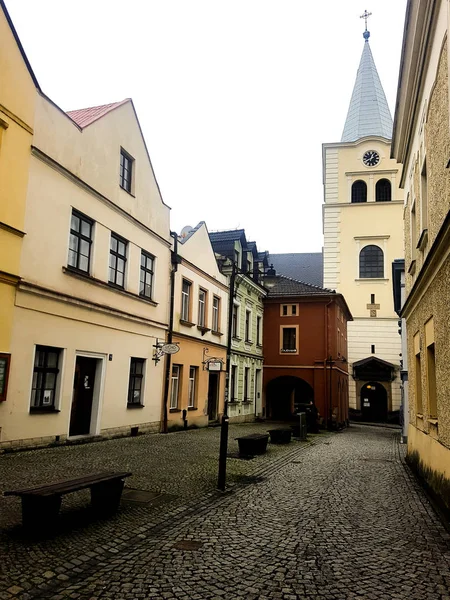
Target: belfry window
{"type": "Point", "coordinates": [383, 191]}
{"type": "Point", "coordinates": [359, 191]}
{"type": "Point", "coordinates": [371, 262]}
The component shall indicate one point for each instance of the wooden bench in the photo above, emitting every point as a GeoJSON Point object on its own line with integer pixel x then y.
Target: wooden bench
{"type": "Point", "coordinates": [254, 443]}
{"type": "Point", "coordinates": [41, 504]}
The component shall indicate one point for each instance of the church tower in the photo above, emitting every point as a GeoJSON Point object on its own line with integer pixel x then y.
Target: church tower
{"type": "Point", "coordinates": [363, 235]}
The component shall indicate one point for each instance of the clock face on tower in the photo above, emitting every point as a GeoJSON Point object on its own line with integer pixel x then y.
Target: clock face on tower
{"type": "Point", "coordinates": [371, 158]}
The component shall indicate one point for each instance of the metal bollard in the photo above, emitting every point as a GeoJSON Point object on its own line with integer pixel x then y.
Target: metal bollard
{"type": "Point", "coordinates": [302, 417]}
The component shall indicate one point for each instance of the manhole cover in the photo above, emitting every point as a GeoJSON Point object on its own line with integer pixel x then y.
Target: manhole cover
{"type": "Point", "coordinates": [139, 496]}
{"type": "Point", "coordinates": [188, 545]}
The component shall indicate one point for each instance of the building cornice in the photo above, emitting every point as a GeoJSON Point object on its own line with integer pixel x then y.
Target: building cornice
{"type": "Point", "coordinates": [12, 230]}
{"type": "Point", "coordinates": [38, 290]}
{"type": "Point", "coordinates": [16, 119]}
{"type": "Point", "coordinates": [372, 172]}
{"type": "Point", "coordinates": [9, 278]}
{"type": "Point", "coordinates": [202, 273]}
{"type": "Point", "coordinates": [438, 253]}
{"type": "Point", "coordinates": [48, 160]}
{"type": "Point", "coordinates": [374, 203]}
{"type": "Point", "coordinates": [200, 341]}
{"type": "Point", "coordinates": [416, 48]}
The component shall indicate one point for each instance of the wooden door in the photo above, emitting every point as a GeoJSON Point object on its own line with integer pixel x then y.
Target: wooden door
{"type": "Point", "coordinates": [83, 394]}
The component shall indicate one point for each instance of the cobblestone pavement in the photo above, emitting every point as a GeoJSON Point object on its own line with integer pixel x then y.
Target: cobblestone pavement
{"type": "Point", "coordinates": [342, 518]}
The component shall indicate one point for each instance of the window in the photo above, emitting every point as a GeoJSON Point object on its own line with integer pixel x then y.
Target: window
{"type": "Point", "coordinates": [294, 309]}
{"type": "Point", "coordinates": [135, 384]}
{"type": "Point", "coordinates": [418, 375]}
{"type": "Point", "coordinates": [185, 300]}
{"type": "Point", "coordinates": [45, 376]}
{"type": "Point", "coordinates": [371, 262]}
{"type": "Point", "coordinates": [285, 310]}
{"type": "Point", "coordinates": [246, 384]}
{"type": "Point", "coordinates": [249, 266]}
{"type": "Point", "coordinates": [258, 330]}
{"type": "Point", "coordinates": [431, 369]}
{"type": "Point", "coordinates": [289, 339]}
{"type": "Point", "coordinates": [248, 317]}
{"type": "Point", "coordinates": [80, 242]}
{"type": "Point", "coordinates": [372, 298]}
{"type": "Point", "coordinates": [146, 275]}
{"type": "Point", "coordinates": [359, 191]}
{"type": "Point", "coordinates": [288, 310]}
{"type": "Point", "coordinates": [413, 231]}
{"type": "Point", "coordinates": [423, 198]}
{"type": "Point", "coordinates": [192, 386]}
{"type": "Point", "coordinates": [215, 313]}
{"type": "Point", "coordinates": [202, 308]}
{"type": "Point", "coordinates": [175, 387]}
{"type": "Point", "coordinates": [117, 260]}
{"type": "Point", "coordinates": [234, 323]}
{"type": "Point", "coordinates": [233, 380]}
{"type": "Point", "coordinates": [383, 191]}
{"type": "Point", "coordinates": [237, 258]}
{"type": "Point", "coordinates": [126, 170]}
{"type": "Point", "coordinates": [372, 348]}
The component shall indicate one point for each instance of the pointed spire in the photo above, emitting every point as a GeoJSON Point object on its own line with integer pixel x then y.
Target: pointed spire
{"type": "Point", "coordinates": [368, 113]}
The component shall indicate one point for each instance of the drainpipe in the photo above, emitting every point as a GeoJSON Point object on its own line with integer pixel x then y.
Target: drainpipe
{"type": "Point", "coordinates": [168, 361]}
{"type": "Point", "coordinates": [325, 362]}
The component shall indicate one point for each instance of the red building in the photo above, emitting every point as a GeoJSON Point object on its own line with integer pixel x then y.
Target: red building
{"type": "Point", "coordinates": [305, 351]}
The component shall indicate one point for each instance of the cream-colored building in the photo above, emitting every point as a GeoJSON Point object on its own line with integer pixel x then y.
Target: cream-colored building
{"type": "Point", "coordinates": [421, 143]}
{"type": "Point", "coordinates": [18, 93]}
{"type": "Point", "coordinates": [94, 291]}
{"type": "Point", "coordinates": [197, 387]}
{"type": "Point", "coordinates": [363, 233]}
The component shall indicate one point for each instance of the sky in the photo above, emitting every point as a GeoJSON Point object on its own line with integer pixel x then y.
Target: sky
{"type": "Point", "coordinates": [235, 97]}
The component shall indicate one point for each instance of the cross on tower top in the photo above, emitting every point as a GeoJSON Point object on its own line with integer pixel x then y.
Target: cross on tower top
{"type": "Point", "coordinates": [365, 16]}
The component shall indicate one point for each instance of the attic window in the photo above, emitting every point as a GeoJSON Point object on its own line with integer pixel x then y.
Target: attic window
{"type": "Point", "coordinates": [126, 170]}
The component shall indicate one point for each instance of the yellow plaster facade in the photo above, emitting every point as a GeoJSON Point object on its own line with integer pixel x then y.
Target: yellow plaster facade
{"type": "Point", "coordinates": [200, 328]}
{"type": "Point", "coordinates": [421, 143]}
{"type": "Point", "coordinates": [17, 107]}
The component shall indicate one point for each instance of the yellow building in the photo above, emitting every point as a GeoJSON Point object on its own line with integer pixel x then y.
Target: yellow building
{"type": "Point", "coordinates": [18, 92]}
{"type": "Point", "coordinates": [363, 233]}
{"type": "Point", "coordinates": [89, 260]}
{"type": "Point", "coordinates": [421, 143]}
{"type": "Point", "coordinates": [197, 386]}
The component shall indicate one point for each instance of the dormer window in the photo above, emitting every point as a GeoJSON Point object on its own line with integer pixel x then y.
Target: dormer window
{"type": "Point", "coordinates": [126, 170]}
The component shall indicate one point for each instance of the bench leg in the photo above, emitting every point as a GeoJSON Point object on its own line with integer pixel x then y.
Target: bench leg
{"type": "Point", "coordinates": [105, 497]}
{"type": "Point", "coordinates": [40, 512]}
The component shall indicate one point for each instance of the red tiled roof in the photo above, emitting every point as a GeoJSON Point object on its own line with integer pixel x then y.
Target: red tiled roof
{"type": "Point", "coordinates": [86, 116]}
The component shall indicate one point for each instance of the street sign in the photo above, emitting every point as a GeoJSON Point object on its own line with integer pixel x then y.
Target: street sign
{"type": "Point", "coordinates": [169, 348]}
{"type": "Point", "coordinates": [214, 365]}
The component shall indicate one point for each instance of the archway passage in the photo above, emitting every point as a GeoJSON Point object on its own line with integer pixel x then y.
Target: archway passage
{"type": "Point", "coordinates": [285, 395]}
{"type": "Point", "coordinates": [374, 402]}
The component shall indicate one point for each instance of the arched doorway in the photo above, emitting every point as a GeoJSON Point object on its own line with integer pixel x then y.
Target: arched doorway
{"type": "Point", "coordinates": [374, 402]}
{"type": "Point", "coordinates": [285, 394]}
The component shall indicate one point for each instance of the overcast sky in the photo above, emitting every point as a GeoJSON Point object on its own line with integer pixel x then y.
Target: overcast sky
{"type": "Point", "coordinates": [235, 97]}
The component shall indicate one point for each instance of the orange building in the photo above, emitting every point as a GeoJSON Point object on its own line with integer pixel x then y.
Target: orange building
{"type": "Point", "coordinates": [305, 351]}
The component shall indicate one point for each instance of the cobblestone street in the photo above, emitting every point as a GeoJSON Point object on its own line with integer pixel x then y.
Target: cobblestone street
{"type": "Point", "coordinates": [340, 517]}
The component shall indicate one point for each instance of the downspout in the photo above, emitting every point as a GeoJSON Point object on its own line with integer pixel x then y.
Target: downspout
{"type": "Point", "coordinates": [168, 357]}
{"type": "Point", "coordinates": [327, 393]}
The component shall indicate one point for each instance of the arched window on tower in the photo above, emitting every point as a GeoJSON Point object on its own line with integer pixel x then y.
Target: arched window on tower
{"type": "Point", "coordinates": [383, 191]}
{"type": "Point", "coordinates": [359, 191]}
{"type": "Point", "coordinates": [371, 262]}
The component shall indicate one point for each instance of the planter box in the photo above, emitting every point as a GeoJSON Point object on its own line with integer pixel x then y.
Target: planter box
{"type": "Point", "coordinates": [280, 436]}
{"type": "Point", "coordinates": [253, 444]}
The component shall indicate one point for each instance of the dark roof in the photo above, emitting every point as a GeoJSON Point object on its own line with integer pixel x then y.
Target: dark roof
{"type": "Point", "coordinates": [226, 236]}
{"type": "Point", "coordinates": [223, 241]}
{"type": "Point", "coordinates": [286, 286]}
{"type": "Point", "coordinates": [302, 266]}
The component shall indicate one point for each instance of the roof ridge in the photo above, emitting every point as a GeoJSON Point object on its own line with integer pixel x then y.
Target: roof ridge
{"type": "Point", "coordinates": [317, 287]}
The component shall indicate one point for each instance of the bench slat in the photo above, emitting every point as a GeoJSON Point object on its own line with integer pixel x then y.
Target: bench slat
{"type": "Point", "coordinates": [68, 485]}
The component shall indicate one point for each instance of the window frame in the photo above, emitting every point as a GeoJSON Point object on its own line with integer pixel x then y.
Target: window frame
{"type": "Point", "coordinates": [357, 197]}
{"type": "Point", "coordinates": [192, 387]}
{"type": "Point", "coordinates": [133, 377]}
{"type": "Point", "coordinates": [248, 325]}
{"type": "Point", "coordinates": [184, 295]}
{"type": "Point", "coordinates": [235, 321]}
{"type": "Point", "coordinates": [382, 186]}
{"type": "Point", "coordinates": [216, 314]}
{"type": "Point", "coordinates": [45, 369]}
{"type": "Point", "coordinates": [151, 272]}
{"type": "Point", "coordinates": [284, 350]}
{"type": "Point", "coordinates": [174, 378]}
{"type": "Point", "coordinates": [122, 169]}
{"type": "Point", "coordinates": [80, 238]}
{"type": "Point", "coordinates": [246, 397]}
{"type": "Point", "coordinates": [202, 308]}
{"type": "Point", "coordinates": [115, 253]}
{"type": "Point", "coordinates": [258, 330]}
{"type": "Point", "coordinates": [233, 380]}
{"type": "Point", "coordinates": [367, 271]}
